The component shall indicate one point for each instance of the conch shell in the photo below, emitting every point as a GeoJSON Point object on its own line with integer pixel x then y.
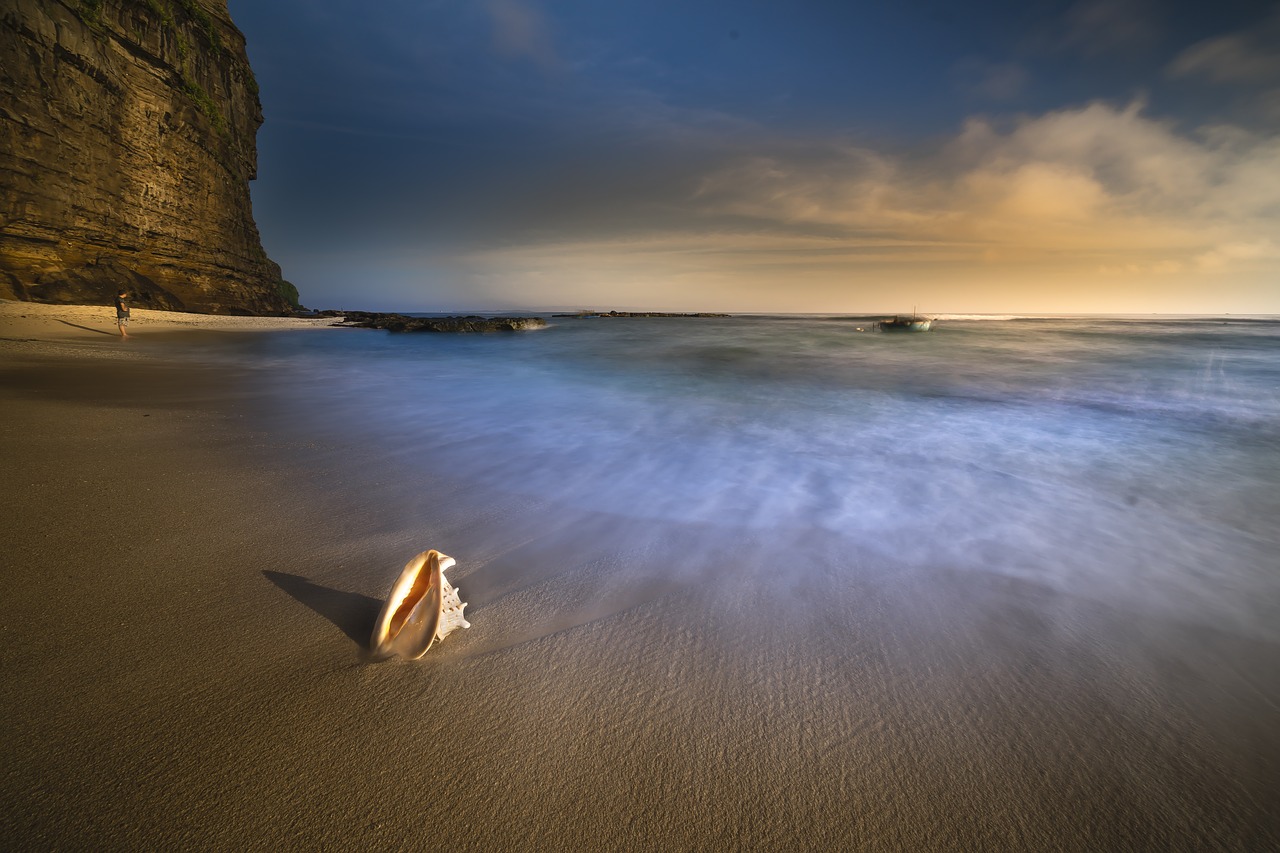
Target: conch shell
{"type": "Point", "coordinates": [423, 607]}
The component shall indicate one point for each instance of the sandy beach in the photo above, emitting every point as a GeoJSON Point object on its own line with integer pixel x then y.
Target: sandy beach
{"type": "Point", "coordinates": [190, 587]}
{"type": "Point", "coordinates": [35, 323]}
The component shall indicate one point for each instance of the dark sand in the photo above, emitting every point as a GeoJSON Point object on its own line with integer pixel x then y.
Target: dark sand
{"type": "Point", "coordinates": [188, 594]}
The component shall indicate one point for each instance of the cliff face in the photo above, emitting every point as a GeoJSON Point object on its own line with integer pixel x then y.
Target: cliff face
{"type": "Point", "coordinates": [127, 141]}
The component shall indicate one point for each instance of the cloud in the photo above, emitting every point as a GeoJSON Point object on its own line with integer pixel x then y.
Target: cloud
{"type": "Point", "coordinates": [1091, 193]}
{"type": "Point", "coordinates": [1082, 201]}
{"type": "Point", "coordinates": [993, 81]}
{"type": "Point", "coordinates": [1227, 255]}
{"type": "Point", "coordinates": [1095, 27]}
{"type": "Point", "coordinates": [1097, 179]}
{"type": "Point", "coordinates": [1247, 56]}
{"type": "Point", "coordinates": [1132, 269]}
{"type": "Point", "coordinates": [1268, 105]}
{"type": "Point", "coordinates": [520, 32]}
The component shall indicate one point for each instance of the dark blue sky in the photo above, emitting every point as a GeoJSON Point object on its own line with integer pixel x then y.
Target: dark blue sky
{"type": "Point", "coordinates": [769, 156]}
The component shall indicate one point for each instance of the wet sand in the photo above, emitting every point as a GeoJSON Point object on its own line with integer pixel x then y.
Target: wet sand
{"type": "Point", "coordinates": [189, 589]}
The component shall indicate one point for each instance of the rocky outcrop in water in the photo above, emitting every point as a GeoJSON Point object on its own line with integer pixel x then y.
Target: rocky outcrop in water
{"type": "Point", "coordinates": [404, 323]}
{"type": "Point", "coordinates": [127, 141]}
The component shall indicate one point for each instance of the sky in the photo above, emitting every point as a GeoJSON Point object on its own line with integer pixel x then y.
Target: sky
{"type": "Point", "coordinates": [1118, 156]}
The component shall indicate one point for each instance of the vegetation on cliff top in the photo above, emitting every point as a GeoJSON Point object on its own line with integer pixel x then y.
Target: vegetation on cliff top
{"type": "Point", "coordinates": [290, 293]}
{"type": "Point", "coordinates": [90, 11]}
{"type": "Point", "coordinates": [164, 9]}
{"type": "Point", "coordinates": [202, 99]}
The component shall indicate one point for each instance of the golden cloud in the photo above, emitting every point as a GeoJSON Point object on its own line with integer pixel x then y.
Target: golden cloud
{"type": "Point", "coordinates": [1075, 197]}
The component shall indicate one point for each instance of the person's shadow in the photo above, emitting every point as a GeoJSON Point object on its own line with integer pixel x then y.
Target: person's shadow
{"type": "Point", "coordinates": [353, 613]}
{"type": "Point", "coordinates": [87, 329]}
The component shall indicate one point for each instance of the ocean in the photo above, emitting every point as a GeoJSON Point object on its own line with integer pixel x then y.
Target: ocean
{"type": "Point", "coordinates": [766, 582]}
{"type": "Point", "coordinates": [1131, 461]}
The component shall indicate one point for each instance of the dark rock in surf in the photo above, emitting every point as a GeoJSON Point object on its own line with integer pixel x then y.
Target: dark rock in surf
{"type": "Point", "coordinates": [405, 323]}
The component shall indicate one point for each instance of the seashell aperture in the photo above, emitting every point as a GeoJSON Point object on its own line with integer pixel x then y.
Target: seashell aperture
{"type": "Point", "coordinates": [423, 607]}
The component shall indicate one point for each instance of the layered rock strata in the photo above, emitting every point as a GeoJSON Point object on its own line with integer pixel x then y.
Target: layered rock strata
{"type": "Point", "coordinates": [127, 141]}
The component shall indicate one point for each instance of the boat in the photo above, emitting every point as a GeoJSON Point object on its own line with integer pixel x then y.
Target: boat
{"type": "Point", "coordinates": [914, 323]}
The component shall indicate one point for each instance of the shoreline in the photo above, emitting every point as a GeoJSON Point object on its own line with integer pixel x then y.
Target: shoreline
{"type": "Point", "coordinates": [38, 321]}
{"type": "Point", "coordinates": [190, 586]}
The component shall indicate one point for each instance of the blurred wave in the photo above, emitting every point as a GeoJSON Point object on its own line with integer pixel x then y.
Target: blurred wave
{"type": "Point", "coordinates": [1101, 456]}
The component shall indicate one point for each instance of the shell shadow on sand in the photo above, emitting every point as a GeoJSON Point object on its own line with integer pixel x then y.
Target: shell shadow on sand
{"type": "Point", "coordinates": [355, 614]}
{"type": "Point", "coordinates": [614, 570]}
{"type": "Point", "coordinates": [352, 613]}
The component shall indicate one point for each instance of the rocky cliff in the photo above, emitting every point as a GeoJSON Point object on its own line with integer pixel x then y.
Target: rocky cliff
{"type": "Point", "coordinates": [127, 141]}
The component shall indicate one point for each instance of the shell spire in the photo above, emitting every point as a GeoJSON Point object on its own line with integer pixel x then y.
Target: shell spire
{"type": "Point", "coordinates": [423, 607]}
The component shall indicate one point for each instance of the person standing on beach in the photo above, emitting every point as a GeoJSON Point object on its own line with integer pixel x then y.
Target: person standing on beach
{"type": "Point", "coordinates": [122, 313]}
